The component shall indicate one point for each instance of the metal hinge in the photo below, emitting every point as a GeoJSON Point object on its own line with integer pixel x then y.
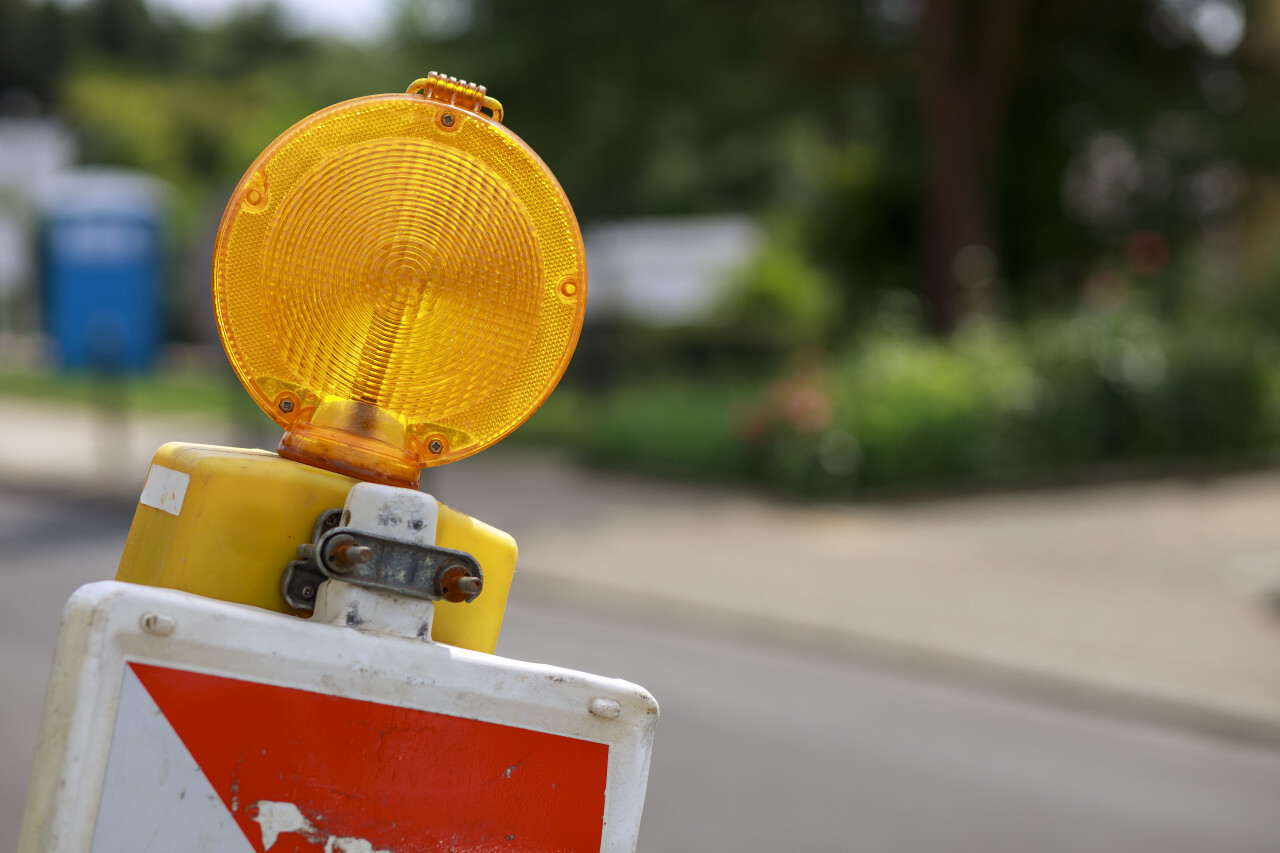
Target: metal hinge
{"type": "Point", "coordinates": [458, 93]}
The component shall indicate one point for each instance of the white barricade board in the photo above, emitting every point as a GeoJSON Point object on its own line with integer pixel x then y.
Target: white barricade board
{"type": "Point", "coordinates": [179, 723]}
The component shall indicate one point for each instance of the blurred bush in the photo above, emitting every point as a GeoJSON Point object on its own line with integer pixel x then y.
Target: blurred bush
{"type": "Point", "coordinates": [781, 300]}
{"type": "Point", "coordinates": [993, 404]}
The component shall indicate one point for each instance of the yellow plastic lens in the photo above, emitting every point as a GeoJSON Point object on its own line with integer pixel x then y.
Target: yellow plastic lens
{"type": "Point", "coordinates": [399, 283]}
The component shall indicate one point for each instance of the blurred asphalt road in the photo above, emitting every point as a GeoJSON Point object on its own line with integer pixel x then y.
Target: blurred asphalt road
{"type": "Point", "coordinates": [762, 746]}
{"type": "Point", "coordinates": [1160, 600]}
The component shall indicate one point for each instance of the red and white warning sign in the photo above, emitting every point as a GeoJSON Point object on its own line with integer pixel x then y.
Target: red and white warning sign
{"type": "Point", "coordinates": [194, 725]}
{"type": "Point", "coordinates": [297, 770]}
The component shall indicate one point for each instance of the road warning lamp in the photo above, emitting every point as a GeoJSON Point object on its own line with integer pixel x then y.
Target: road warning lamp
{"type": "Point", "coordinates": [399, 283]}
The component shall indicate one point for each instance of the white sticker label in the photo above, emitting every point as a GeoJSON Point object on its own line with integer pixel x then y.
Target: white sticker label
{"type": "Point", "coordinates": [165, 489]}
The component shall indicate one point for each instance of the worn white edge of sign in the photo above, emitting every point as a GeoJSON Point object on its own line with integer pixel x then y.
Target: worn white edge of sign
{"type": "Point", "coordinates": [165, 489]}
{"type": "Point", "coordinates": [102, 631]}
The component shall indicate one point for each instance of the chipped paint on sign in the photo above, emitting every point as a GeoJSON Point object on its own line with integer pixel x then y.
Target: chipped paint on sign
{"type": "Point", "coordinates": [276, 819]}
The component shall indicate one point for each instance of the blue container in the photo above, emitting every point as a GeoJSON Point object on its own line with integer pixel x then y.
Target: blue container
{"type": "Point", "coordinates": [101, 270]}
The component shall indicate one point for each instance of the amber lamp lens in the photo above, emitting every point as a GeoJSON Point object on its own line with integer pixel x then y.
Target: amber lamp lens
{"type": "Point", "coordinates": [399, 283]}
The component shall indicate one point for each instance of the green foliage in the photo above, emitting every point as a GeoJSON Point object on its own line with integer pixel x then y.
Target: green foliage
{"type": "Point", "coordinates": [1123, 386]}
{"type": "Point", "coordinates": [177, 128]}
{"type": "Point", "coordinates": [993, 404]}
{"type": "Point", "coordinates": [927, 411]}
{"type": "Point", "coordinates": [781, 299]}
{"type": "Point", "coordinates": [674, 426]}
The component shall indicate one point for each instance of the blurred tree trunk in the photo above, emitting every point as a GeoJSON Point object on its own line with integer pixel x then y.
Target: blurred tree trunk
{"type": "Point", "coordinates": [970, 51]}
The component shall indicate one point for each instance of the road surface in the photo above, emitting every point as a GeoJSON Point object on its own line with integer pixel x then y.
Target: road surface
{"type": "Point", "coordinates": [760, 746]}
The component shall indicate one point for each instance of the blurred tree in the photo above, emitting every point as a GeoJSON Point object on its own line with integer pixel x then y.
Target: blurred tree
{"type": "Point", "coordinates": [120, 27]}
{"type": "Point", "coordinates": [1057, 139]}
{"type": "Point", "coordinates": [1134, 125]}
{"type": "Point", "coordinates": [984, 153]}
{"type": "Point", "coordinates": [660, 107]}
{"type": "Point", "coordinates": [970, 51]}
{"type": "Point", "coordinates": [35, 42]}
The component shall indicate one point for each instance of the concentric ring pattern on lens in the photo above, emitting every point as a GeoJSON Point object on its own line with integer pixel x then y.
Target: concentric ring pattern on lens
{"type": "Point", "coordinates": [373, 254]}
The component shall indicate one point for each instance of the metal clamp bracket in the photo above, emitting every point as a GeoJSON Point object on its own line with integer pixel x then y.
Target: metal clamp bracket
{"type": "Point", "coordinates": [380, 562]}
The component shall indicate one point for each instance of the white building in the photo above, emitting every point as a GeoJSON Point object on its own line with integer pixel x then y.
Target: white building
{"type": "Point", "coordinates": [664, 272]}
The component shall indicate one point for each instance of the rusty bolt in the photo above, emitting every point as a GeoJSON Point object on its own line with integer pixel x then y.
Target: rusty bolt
{"type": "Point", "coordinates": [286, 405]}
{"type": "Point", "coordinates": [356, 554]}
{"type": "Point", "coordinates": [456, 584]}
{"type": "Point", "coordinates": [447, 119]}
{"type": "Point", "coordinates": [345, 553]}
{"type": "Point", "coordinates": [436, 445]}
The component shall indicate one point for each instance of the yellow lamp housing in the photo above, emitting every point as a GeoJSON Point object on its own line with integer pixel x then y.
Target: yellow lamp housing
{"type": "Point", "coordinates": [399, 281]}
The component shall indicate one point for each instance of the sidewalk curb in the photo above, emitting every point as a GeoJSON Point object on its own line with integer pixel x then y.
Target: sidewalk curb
{"type": "Point", "coordinates": [1052, 690]}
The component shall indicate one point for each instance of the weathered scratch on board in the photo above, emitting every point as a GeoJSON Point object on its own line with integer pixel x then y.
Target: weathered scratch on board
{"type": "Point", "coordinates": [276, 819]}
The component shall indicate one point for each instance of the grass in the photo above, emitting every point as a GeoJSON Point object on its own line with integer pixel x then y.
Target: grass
{"type": "Point", "coordinates": [187, 392]}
